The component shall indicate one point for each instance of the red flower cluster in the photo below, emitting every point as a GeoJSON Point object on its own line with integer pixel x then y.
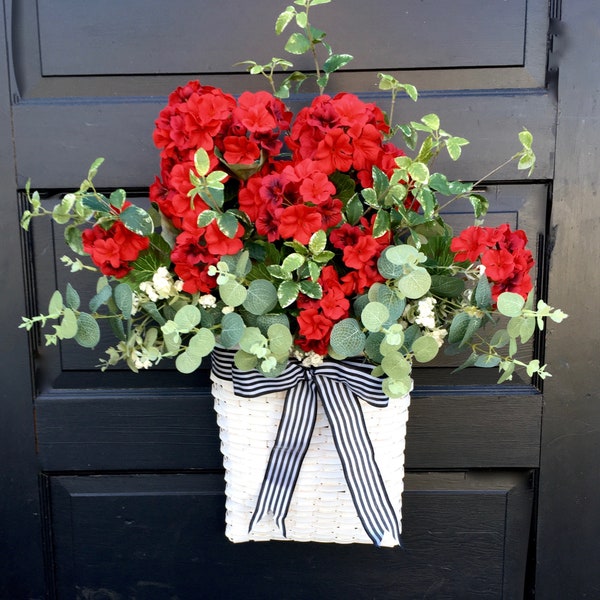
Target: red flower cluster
{"type": "Point", "coordinates": [285, 199]}
{"type": "Point", "coordinates": [242, 132]}
{"type": "Point", "coordinates": [114, 249]}
{"type": "Point", "coordinates": [502, 252]}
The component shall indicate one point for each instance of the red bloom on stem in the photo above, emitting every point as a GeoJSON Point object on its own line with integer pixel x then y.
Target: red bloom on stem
{"type": "Point", "coordinates": [314, 330]}
{"type": "Point", "coordinates": [471, 242]}
{"type": "Point", "coordinates": [499, 264]}
{"type": "Point", "coordinates": [240, 150]}
{"type": "Point", "coordinates": [299, 222]}
{"type": "Point", "coordinates": [334, 152]}
{"type": "Point", "coordinates": [112, 250]}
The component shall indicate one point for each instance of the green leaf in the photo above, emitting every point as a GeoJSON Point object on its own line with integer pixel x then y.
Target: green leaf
{"type": "Point", "coordinates": [458, 327]}
{"type": "Point", "coordinates": [370, 197]}
{"type": "Point", "coordinates": [73, 239]}
{"type": "Point", "coordinates": [447, 286]}
{"type": "Point", "coordinates": [480, 205]}
{"type": "Point", "coordinates": [453, 146]}
{"type": "Point", "coordinates": [527, 329]}
{"type": "Point", "coordinates": [312, 289]}
{"type": "Point", "coordinates": [265, 321]}
{"type": "Point", "coordinates": [232, 329]}
{"type": "Point", "coordinates": [440, 183]}
{"type": "Point", "coordinates": [206, 218]}
{"type": "Point", "coordinates": [374, 315]}
{"type": "Point", "coordinates": [526, 139]}
{"type": "Point", "coordinates": [382, 223]}
{"type": "Point", "coordinates": [117, 198]}
{"type": "Point", "coordinates": [261, 297]}
{"type": "Point", "coordinates": [347, 338]}
{"type": "Point", "coordinates": [470, 362]}
{"type": "Point", "coordinates": [432, 121]}
{"type": "Point", "coordinates": [151, 309]}
{"type": "Point", "coordinates": [287, 292]}
{"type": "Point", "coordinates": [297, 43]}
{"type": "Point", "coordinates": [88, 331]}
{"type": "Point", "coordinates": [292, 262]}
{"type": "Point", "coordinates": [472, 326]}
{"type": "Point", "coordinates": [228, 224]}
{"type": "Point", "coordinates": [201, 162]}
{"type": "Point", "coordinates": [354, 209]}
{"type": "Point", "coordinates": [336, 61]}
{"type": "Point", "coordinates": [137, 220]}
{"type": "Point", "coordinates": [487, 361]}
{"type": "Point", "coordinates": [318, 241]}
{"type": "Point", "coordinates": [397, 388]}
{"type": "Point", "coordinates": [186, 318]}
{"type": "Point", "coordinates": [94, 168]}
{"type": "Point", "coordinates": [388, 269]}
{"type": "Point", "coordinates": [372, 346]}
{"type": "Point", "coordinates": [284, 19]}
{"type": "Point", "coordinates": [510, 304]}
{"type": "Point", "coordinates": [419, 172]}
{"type": "Point", "coordinates": [95, 202]}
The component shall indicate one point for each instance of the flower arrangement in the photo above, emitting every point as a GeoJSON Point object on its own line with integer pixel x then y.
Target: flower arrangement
{"type": "Point", "coordinates": [297, 237]}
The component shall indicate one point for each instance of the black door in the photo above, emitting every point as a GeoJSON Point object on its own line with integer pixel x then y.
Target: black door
{"type": "Point", "coordinates": [112, 482]}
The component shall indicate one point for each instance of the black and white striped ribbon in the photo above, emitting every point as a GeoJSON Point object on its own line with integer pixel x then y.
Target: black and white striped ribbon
{"type": "Point", "coordinates": [338, 385]}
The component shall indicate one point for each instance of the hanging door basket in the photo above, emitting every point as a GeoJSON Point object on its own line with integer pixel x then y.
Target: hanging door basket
{"type": "Point", "coordinates": [339, 481]}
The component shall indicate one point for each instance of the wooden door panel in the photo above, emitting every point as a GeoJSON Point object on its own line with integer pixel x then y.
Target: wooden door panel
{"type": "Point", "coordinates": [161, 536]}
{"type": "Point", "coordinates": [130, 465]}
{"type": "Point", "coordinates": [145, 429]}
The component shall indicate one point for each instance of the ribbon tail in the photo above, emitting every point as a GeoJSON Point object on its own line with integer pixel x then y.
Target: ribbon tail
{"type": "Point", "coordinates": [291, 444]}
{"type": "Point", "coordinates": [357, 456]}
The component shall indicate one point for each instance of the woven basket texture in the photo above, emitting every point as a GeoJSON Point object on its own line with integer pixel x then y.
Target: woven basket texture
{"type": "Point", "coordinates": [321, 509]}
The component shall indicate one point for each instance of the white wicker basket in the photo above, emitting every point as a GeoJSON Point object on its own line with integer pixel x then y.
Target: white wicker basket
{"type": "Point", "coordinates": [321, 508]}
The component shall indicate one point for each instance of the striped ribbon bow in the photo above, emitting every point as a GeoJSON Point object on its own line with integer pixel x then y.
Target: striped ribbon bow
{"type": "Point", "coordinates": [338, 385]}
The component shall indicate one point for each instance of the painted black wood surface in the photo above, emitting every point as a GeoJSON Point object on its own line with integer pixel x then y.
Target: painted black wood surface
{"type": "Point", "coordinates": [112, 484]}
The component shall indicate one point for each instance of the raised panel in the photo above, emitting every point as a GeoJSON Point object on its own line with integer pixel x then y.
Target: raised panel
{"type": "Point", "coordinates": [146, 429]}
{"type": "Point", "coordinates": [57, 141]}
{"type": "Point", "coordinates": [169, 531]}
{"type": "Point", "coordinates": [202, 37]}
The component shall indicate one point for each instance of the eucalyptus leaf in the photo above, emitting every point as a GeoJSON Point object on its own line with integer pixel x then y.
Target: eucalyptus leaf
{"type": "Point", "coordinates": [232, 329]}
{"type": "Point", "coordinates": [347, 338]}
{"type": "Point", "coordinates": [186, 318]}
{"type": "Point", "coordinates": [72, 299]}
{"type": "Point", "coordinates": [88, 331]}
{"type": "Point", "coordinates": [415, 284]}
{"type": "Point", "coordinates": [261, 297]}
{"type": "Point", "coordinates": [187, 362]}
{"type": "Point", "coordinates": [510, 304]}
{"type": "Point", "coordinates": [374, 315]}
{"type": "Point", "coordinates": [425, 349]}
{"type": "Point", "coordinates": [202, 343]}
{"type": "Point", "coordinates": [233, 293]}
